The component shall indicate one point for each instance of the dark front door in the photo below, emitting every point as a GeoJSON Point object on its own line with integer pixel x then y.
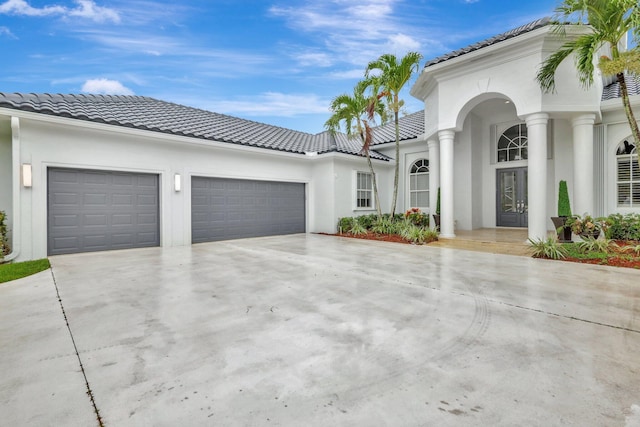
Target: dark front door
{"type": "Point", "coordinates": [512, 204]}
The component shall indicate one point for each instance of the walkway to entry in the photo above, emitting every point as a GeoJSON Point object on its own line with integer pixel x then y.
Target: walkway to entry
{"type": "Point", "coordinates": [508, 241]}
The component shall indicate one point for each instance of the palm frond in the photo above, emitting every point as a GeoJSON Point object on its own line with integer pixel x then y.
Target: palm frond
{"type": "Point", "coordinates": [546, 76]}
{"type": "Point", "coordinates": [585, 49]}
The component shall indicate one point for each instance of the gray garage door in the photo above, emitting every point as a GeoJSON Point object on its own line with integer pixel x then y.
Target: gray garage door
{"type": "Point", "coordinates": [223, 209]}
{"type": "Point", "coordinates": [91, 210]}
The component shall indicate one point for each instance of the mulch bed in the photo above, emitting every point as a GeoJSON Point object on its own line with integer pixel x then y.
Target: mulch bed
{"type": "Point", "coordinates": [619, 259]}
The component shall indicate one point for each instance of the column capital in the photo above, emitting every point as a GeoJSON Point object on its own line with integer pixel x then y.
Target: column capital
{"type": "Point", "coordinates": [587, 119]}
{"type": "Point", "coordinates": [446, 134]}
{"type": "Point", "coordinates": [537, 119]}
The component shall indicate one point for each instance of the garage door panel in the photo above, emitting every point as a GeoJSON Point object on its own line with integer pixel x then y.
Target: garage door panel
{"type": "Point", "coordinates": [101, 210]}
{"type": "Point", "coordinates": [94, 220]}
{"type": "Point", "coordinates": [94, 178]}
{"type": "Point", "coordinates": [65, 176]}
{"type": "Point", "coordinates": [66, 242]}
{"type": "Point", "coordinates": [244, 208]}
{"type": "Point", "coordinates": [94, 241]}
{"type": "Point", "coordinates": [147, 200]}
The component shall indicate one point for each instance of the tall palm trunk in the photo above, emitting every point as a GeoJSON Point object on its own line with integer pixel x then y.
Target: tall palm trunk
{"type": "Point", "coordinates": [375, 185]}
{"type": "Point", "coordinates": [374, 182]}
{"type": "Point", "coordinates": [397, 170]}
{"type": "Point", "coordinates": [629, 112]}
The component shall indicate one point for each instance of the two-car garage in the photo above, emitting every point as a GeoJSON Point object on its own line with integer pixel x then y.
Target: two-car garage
{"type": "Point", "coordinates": [95, 210]}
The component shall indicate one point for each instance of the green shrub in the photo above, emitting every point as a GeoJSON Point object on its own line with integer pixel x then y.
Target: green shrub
{"type": "Point", "coordinates": [575, 250]}
{"type": "Point", "coordinates": [590, 244]}
{"type": "Point", "coordinates": [634, 250]}
{"type": "Point", "coordinates": [623, 227]}
{"type": "Point", "coordinates": [418, 235]}
{"type": "Point", "coordinates": [345, 224]}
{"type": "Point", "coordinates": [549, 248]}
{"type": "Point", "coordinates": [564, 206]}
{"type": "Point", "coordinates": [367, 221]}
{"type": "Point", "coordinates": [357, 229]}
{"type": "Point", "coordinates": [438, 203]}
{"type": "Point", "coordinates": [385, 226]}
{"type": "Point", "coordinates": [417, 217]}
{"type": "Point", "coordinates": [4, 244]}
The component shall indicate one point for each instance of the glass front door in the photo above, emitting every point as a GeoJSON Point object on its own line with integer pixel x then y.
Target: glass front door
{"type": "Point", "coordinates": [512, 204]}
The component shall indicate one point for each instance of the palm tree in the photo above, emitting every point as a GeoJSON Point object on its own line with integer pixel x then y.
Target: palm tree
{"type": "Point", "coordinates": [608, 22]}
{"type": "Point", "coordinates": [391, 75]}
{"type": "Point", "coordinates": [357, 111]}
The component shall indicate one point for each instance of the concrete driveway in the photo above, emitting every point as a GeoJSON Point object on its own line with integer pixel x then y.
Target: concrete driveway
{"type": "Point", "coordinates": [320, 330]}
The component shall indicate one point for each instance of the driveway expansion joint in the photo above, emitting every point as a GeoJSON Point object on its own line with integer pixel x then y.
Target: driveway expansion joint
{"type": "Point", "coordinates": [75, 347]}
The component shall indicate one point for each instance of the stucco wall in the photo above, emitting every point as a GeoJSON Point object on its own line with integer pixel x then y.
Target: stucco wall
{"type": "Point", "coordinates": [562, 166]}
{"type": "Point", "coordinates": [409, 154]}
{"type": "Point", "coordinates": [93, 146]}
{"type": "Point", "coordinates": [6, 202]}
{"type": "Point", "coordinates": [616, 131]}
{"type": "Point", "coordinates": [344, 177]}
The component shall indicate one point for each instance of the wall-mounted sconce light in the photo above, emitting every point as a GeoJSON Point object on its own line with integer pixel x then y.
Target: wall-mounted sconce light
{"type": "Point", "coordinates": [177, 182]}
{"type": "Point", "coordinates": [27, 180]}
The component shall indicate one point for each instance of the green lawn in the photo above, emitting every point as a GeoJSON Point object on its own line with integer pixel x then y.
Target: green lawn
{"type": "Point", "coordinates": [19, 270]}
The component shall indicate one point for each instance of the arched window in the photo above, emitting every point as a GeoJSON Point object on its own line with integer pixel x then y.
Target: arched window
{"type": "Point", "coordinates": [419, 184]}
{"type": "Point", "coordinates": [512, 144]}
{"type": "Point", "coordinates": [627, 175]}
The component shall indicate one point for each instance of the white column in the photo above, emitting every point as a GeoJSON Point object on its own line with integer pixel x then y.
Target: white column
{"type": "Point", "coordinates": [434, 177]}
{"type": "Point", "coordinates": [446, 183]}
{"type": "Point", "coordinates": [583, 163]}
{"type": "Point", "coordinates": [537, 142]}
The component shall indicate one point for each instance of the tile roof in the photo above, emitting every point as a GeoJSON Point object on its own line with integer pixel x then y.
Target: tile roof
{"type": "Point", "coordinates": [543, 22]}
{"type": "Point", "coordinates": [612, 91]}
{"type": "Point", "coordinates": [154, 115]}
{"type": "Point", "coordinates": [411, 127]}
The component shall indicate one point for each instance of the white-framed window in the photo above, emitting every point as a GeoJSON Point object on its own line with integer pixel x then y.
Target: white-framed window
{"type": "Point", "coordinates": [627, 176]}
{"type": "Point", "coordinates": [513, 144]}
{"type": "Point", "coordinates": [364, 190]}
{"type": "Point", "coordinates": [419, 184]}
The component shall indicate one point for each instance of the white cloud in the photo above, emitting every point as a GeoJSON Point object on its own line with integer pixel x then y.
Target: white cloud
{"type": "Point", "coordinates": [353, 34]}
{"type": "Point", "coordinates": [88, 9]}
{"type": "Point", "coordinates": [272, 104]}
{"type": "Point", "coordinates": [105, 87]}
{"type": "Point", "coordinates": [314, 59]}
{"type": "Point", "coordinates": [403, 43]}
{"type": "Point", "coordinates": [85, 9]}
{"type": "Point", "coordinates": [4, 31]}
{"type": "Point", "coordinates": [21, 7]}
{"type": "Point", "coordinates": [356, 73]}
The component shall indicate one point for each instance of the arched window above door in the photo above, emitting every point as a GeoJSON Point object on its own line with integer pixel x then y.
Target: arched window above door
{"type": "Point", "coordinates": [512, 144]}
{"type": "Point", "coordinates": [419, 184]}
{"type": "Point", "coordinates": [627, 175]}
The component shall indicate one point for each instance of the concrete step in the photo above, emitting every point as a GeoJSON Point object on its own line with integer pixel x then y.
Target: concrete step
{"type": "Point", "coordinates": [507, 248]}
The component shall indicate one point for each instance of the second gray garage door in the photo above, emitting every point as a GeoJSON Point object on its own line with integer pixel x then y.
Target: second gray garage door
{"type": "Point", "coordinates": [223, 209]}
{"type": "Point", "coordinates": [93, 210]}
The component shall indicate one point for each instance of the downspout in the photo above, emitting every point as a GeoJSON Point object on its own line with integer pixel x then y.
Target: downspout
{"type": "Point", "coordinates": [16, 235]}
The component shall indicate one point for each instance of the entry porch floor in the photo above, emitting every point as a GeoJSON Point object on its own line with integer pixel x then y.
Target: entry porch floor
{"type": "Point", "coordinates": [510, 241]}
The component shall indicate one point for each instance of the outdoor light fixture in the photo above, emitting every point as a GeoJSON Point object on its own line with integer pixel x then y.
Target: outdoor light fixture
{"type": "Point", "coordinates": [177, 184]}
{"type": "Point", "coordinates": [26, 175]}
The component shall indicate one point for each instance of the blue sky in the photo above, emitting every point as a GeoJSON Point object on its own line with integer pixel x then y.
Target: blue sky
{"type": "Point", "coordinates": [274, 61]}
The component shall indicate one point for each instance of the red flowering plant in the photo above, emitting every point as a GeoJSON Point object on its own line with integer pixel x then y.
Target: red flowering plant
{"type": "Point", "coordinates": [417, 217]}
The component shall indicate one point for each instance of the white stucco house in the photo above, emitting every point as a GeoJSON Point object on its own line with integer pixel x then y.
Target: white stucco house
{"type": "Point", "coordinates": [97, 172]}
